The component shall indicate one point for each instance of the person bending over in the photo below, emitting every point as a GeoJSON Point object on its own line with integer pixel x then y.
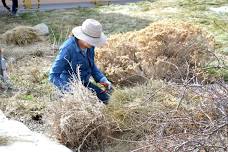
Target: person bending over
{"type": "Point", "coordinates": [79, 50]}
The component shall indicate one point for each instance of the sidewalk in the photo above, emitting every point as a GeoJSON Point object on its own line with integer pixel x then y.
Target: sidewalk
{"type": "Point", "coordinates": [64, 4]}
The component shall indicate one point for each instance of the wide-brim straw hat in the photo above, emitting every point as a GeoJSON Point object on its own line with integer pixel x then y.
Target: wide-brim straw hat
{"type": "Point", "coordinates": [91, 32]}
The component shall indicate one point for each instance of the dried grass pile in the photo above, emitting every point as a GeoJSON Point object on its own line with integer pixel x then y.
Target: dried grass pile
{"type": "Point", "coordinates": [21, 35]}
{"type": "Point", "coordinates": [76, 119]}
{"type": "Point", "coordinates": [170, 117]}
{"type": "Point", "coordinates": [167, 50]}
{"type": "Point", "coordinates": [200, 127]}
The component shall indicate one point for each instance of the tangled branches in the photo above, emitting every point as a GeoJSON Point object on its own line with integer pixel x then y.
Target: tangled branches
{"type": "Point", "coordinates": [203, 126]}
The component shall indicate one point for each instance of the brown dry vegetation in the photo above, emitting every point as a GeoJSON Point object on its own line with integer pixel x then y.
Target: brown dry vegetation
{"type": "Point", "coordinates": [174, 118]}
{"type": "Point", "coordinates": [21, 35]}
{"type": "Point", "coordinates": [154, 116]}
{"type": "Point", "coordinates": [168, 50]}
{"type": "Point", "coordinates": [76, 118]}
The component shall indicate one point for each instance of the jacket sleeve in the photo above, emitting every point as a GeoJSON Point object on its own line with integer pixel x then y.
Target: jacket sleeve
{"type": "Point", "coordinates": [60, 64]}
{"type": "Point", "coordinates": [96, 73]}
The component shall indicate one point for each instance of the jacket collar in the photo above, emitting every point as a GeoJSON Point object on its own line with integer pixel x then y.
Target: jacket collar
{"type": "Point", "coordinates": [77, 48]}
{"type": "Point", "coordinates": [76, 45]}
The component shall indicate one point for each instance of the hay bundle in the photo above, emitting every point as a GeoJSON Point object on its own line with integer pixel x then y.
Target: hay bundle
{"type": "Point", "coordinates": [21, 35]}
{"type": "Point", "coordinates": [77, 119]}
{"type": "Point", "coordinates": [164, 50]}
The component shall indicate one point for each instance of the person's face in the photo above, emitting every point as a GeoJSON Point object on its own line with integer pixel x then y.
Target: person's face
{"type": "Point", "coordinates": [85, 44]}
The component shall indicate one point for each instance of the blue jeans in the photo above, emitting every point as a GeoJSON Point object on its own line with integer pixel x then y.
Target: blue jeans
{"type": "Point", "coordinates": [104, 97]}
{"type": "Point", "coordinates": [14, 6]}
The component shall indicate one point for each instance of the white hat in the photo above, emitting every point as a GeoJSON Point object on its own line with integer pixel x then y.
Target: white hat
{"type": "Point", "coordinates": [90, 32]}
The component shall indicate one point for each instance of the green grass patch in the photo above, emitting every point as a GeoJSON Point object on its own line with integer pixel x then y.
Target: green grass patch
{"type": "Point", "coordinates": [27, 97]}
{"type": "Point", "coordinates": [219, 73]}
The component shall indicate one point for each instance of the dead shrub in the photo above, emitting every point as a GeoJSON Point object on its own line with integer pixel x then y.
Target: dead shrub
{"type": "Point", "coordinates": [169, 50]}
{"type": "Point", "coordinates": [36, 75]}
{"type": "Point", "coordinates": [203, 128]}
{"type": "Point", "coordinates": [21, 35]}
{"type": "Point", "coordinates": [76, 119]}
{"type": "Point", "coordinates": [4, 141]}
{"type": "Point", "coordinates": [171, 117]}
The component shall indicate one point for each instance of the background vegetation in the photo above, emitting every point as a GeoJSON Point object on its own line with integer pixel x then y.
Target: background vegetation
{"type": "Point", "coordinates": [155, 116]}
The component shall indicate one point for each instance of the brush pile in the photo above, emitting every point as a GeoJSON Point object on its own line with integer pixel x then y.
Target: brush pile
{"type": "Point", "coordinates": [167, 50]}
{"type": "Point", "coordinates": [76, 119]}
{"type": "Point", "coordinates": [171, 117]}
{"type": "Point", "coordinates": [21, 35]}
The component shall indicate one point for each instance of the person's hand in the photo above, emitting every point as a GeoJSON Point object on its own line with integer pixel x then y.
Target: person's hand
{"type": "Point", "coordinates": [107, 84]}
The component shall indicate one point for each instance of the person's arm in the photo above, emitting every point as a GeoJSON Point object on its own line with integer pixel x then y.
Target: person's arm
{"type": "Point", "coordinates": [60, 64]}
{"type": "Point", "coordinates": [99, 76]}
{"type": "Point", "coordinates": [96, 73]}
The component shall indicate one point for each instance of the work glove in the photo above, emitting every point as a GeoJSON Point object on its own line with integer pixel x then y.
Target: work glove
{"type": "Point", "coordinates": [107, 84]}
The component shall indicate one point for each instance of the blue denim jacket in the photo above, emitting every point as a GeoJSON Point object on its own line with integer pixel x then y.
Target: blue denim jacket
{"type": "Point", "coordinates": [65, 65]}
